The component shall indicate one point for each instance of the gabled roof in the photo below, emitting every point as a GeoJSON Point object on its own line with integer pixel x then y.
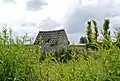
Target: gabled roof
{"type": "Point", "coordinates": [50, 37]}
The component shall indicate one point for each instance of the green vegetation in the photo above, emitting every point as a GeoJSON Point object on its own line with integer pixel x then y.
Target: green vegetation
{"type": "Point", "coordinates": [106, 34]}
{"type": "Point", "coordinates": [96, 31]}
{"type": "Point", "coordinates": [89, 33]}
{"type": "Point", "coordinates": [21, 62]}
{"type": "Point", "coordinates": [92, 36]}
{"type": "Point", "coordinates": [83, 40]}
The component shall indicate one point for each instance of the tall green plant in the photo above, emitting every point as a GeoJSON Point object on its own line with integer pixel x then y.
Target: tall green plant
{"type": "Point", "coordinates": [118, 39]}
{"type": "Point", "coordinates": [107, 41]}
{"type": "Point", "coordinates": [106, 32]}
{"type": "Point", "coordinates": [117, 36]}
{"type": "Point", "coordinates": [89, 32]}
{"type": "Point", "coordinates": [95, 34]}
{"type": "Point", "coordinates": [96, 30]}
{"type": "Point", "coordinates": [18, 62]}
{"type": "Point", "coordinates": [92, 36]}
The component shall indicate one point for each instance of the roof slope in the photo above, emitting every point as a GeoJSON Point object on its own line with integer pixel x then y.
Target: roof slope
{"type": "Point", "coordinates": [51, 37]}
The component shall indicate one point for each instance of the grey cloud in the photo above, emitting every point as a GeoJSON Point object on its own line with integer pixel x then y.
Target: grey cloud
{"type": "Point", "coordinates": [35, 5]}
{"type": "Point", "coordinates": [76, 21]}
{"type": "Point", "coordinates": [9, 1]}
{"type": "Point", "coordinates": [29, 24]}
{"type": "Point", "coordinates": [48, 24]}
{"type": "Point", "coordinates": [115, 23]}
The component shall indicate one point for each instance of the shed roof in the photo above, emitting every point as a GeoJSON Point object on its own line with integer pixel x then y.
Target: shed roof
{"type": "Point", "coordinates": [50, 37]}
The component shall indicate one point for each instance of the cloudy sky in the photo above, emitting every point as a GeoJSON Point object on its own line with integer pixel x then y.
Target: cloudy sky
{"type": "Point", "coordinates": [30, 16]}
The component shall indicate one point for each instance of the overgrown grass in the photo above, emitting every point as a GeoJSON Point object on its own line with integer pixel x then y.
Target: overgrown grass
{"type": "Point", "coordinates": [19, 62]}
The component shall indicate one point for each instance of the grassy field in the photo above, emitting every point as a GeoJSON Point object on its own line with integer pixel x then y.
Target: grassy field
{"type": "Point", "coordinates": [19, 62]}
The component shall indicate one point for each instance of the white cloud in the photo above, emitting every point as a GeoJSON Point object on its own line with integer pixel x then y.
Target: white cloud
{"type": "Point", "coordinates": [11, 12]}
{"type": "Point", "coordinates": [89, 2]}
{"type": "Point", "coordinates": [9, 1]}
{"type": "Point", "coordinates": [35, 5]}
{"type": "Point", "coordinates": [57, 9]}
{"type": "Point", "coordinates": [48, 24]}
{"type": "Point", "coordinates": [58, 14]}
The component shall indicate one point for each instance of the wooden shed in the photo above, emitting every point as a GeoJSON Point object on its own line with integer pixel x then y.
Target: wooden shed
{"type": "Point", "coordinates": [52, 40]}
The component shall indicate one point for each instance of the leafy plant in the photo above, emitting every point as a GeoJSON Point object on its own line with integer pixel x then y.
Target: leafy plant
{"type": "Point", "coordinates": [21, 62]}
{"type": "Point", "coordinates": [83, 40]}
{"type": "Point", "coordinates": [92, 36]}
{"type": "Point", "coordinates": [89, 32]}
{"type": "Point", "coordinates": [107, 41]}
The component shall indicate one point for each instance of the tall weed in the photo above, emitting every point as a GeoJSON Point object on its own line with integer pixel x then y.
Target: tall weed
{"type": "Point", "coordinates": [21, 62]}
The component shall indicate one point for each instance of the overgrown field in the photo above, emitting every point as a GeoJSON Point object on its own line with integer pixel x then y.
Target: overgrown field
{"type": "Point", "coordinates": [19, 62]}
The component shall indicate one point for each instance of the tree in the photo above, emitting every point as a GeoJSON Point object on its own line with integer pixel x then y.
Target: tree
{"type": "Point", "coordinates": [83, 40]}
{"type": "Point", "coordinates": [118, 39]}
{"type": "Point", "coordinates": [89, 32]}
{"type": "Point", "coordinates": [95, 34]}
{"type": "Point", "coordinates": [96, 31]}
{"type": "Point", "coordinates": [106, 34]}
{"type": "Point", "coordinates": [117, 35]}
{"type": "Point", "coordinates": [92, 36]}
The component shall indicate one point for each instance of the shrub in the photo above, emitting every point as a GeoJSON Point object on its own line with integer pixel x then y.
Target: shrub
{"type": "Point", "coordinates": [21, 62]}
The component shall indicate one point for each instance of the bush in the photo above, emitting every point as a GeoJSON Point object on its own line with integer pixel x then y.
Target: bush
{"type": "Point", "coordinates": [21, 62]}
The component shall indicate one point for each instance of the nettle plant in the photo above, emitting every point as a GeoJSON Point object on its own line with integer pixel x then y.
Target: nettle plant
{"type": "Point", "coordinates": [17, 60]}
{"type": "Point", "coordinates": [92, 36]}
{"type": "Point", "coordinates": [21, 62]}
{"type": "Point", "coordinates": [107, 41]}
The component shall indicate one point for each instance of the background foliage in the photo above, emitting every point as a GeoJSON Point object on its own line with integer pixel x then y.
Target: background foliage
{"type": "Point", "coordinates": [21, 62]}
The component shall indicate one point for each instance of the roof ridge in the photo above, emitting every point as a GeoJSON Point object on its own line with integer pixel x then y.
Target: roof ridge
{"type": "Point", "coordinates": [52, 30]}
